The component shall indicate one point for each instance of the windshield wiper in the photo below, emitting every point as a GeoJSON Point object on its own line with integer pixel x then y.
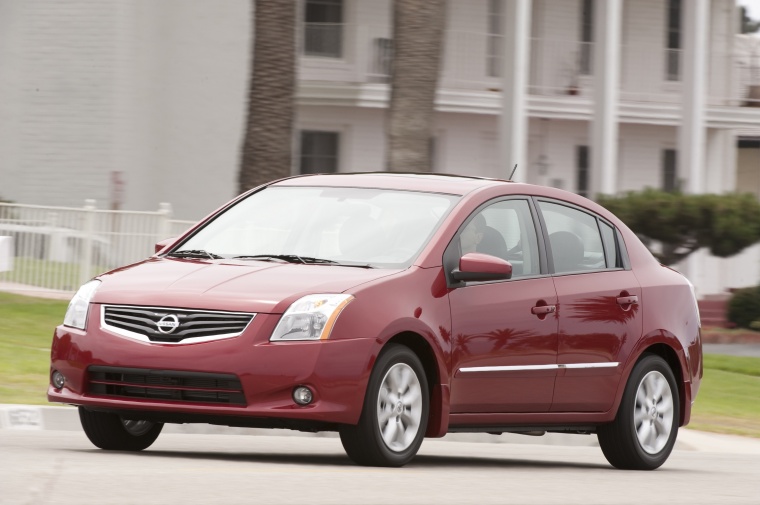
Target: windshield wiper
{"type": "Point", "coordinates": [195, 253]}
{"type": "Point", "coordinates": [294, 258]}
{"type": "Point", "coordinates": [290, 258]}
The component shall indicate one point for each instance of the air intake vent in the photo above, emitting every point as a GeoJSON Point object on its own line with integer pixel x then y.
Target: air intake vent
{"type": "Point", "coordinates": [165, 385]}
{"type": "Point", "coordinates": [173, 326]}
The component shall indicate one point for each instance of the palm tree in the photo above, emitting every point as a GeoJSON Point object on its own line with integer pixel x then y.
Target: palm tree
{"type": "Point", "coordinates": [266, 153]}
{"type": "Point", "coordinates": [417, 36]}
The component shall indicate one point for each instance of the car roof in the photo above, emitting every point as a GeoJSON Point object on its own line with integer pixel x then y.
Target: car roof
{"type": "Point", "coordinates": [433, 183]}
{"type": "Point", "coordinates": [452, 184]}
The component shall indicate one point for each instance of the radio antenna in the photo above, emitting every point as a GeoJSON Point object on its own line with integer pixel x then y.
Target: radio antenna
{"type": "Point", "coordinates": [513, 172]}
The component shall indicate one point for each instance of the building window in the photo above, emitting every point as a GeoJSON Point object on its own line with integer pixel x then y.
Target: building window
{"type": "Point", "coordinates": [319, 152]}
{"type": "Point", "coordinates": [382, 60]}
{"type": "Point", "coordinates": [669, 180]}
{"type": "Point", "coordinates": [581, 170]}
{"type": "Point", "coordinates": [585, 60]}
{"type": "Point", "coordinates": [323, 28]}
{"type": "Point", "coordinates": [495, 37]}
{"type": "Point", "coordinates": [673, 50]}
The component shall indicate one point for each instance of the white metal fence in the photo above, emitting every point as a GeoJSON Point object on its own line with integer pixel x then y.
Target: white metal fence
{"type": "Point", "coordinates": [59, 248]}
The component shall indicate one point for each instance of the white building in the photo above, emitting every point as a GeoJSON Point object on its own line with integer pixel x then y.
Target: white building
{"type": "Point", "coordinates": [135, 102]}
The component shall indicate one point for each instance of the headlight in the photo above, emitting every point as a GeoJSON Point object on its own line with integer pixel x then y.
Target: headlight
{"type": "Point", "coordinates": [310, 318]}
{"type": "Point", "coordinates": [76, 314]}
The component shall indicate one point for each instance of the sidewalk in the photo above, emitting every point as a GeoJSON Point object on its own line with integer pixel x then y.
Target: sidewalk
{"type": "Point", "coordinates": [64, 418]}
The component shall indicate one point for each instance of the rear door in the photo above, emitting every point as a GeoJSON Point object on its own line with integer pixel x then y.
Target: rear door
{"type": "Point", "coordinates": [599, 309]}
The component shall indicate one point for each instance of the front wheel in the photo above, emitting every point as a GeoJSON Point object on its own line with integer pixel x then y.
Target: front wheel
{"type": "Point", "coordinates": [113, 433]}
{"type": "Point", "coordinates": [644, 431]}
{"type": "Point", "coordinates": [395, 413]}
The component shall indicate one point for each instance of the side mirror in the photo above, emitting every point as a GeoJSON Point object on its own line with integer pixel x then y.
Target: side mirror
{"type": "Point", "coordinates": [482, 267]}
{"type": "Point", "coordinates": [161, 245]}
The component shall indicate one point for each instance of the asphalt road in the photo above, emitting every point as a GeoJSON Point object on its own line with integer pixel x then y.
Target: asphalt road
{"type": "Point", "coordinates": [751, 350]}
{"type": "Point", "coordinates": [61, 467]}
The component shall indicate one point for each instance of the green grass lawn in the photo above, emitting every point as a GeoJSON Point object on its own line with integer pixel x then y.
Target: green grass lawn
{"type": "Point", "coordinates": [729, 398]}
{"type": "Point", "coordinates": [26, 332]}
{"type": "Point", "coordinates": [728, 401]}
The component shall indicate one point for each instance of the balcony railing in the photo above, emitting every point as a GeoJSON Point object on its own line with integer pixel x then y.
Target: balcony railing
{"type": "Point", "coordinates": [649, 72]}
{"type": "Point", "coordinates": [380, 59]}
{"type": "Point", "coordinates": [560, 67]}
{"type": "Point", "coordinates": [323, 39]}
{"type": "Point", "coordinates": [745, 67]}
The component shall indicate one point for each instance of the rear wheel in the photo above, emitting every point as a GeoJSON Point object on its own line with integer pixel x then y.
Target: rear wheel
{"type": "Point", "coordinates": [111, 432]}
{"type": "Point", "coordinates": [395, 413]}
{"type": "Point", "coordinates": [645, 428]}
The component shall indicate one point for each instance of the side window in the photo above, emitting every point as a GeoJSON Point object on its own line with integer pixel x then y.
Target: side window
{"type": "Point", "coordinates": [574, 238]}
{"type": "Point", "coordinates": [610, 247]}
{"type": "Point", "coordinates": [505, 230]}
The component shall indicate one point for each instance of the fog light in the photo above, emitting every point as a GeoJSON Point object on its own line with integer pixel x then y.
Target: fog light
{"type": "Point", "coordinates": [302, 395]}
{"type": "Point", "coordinates": [58, 380]}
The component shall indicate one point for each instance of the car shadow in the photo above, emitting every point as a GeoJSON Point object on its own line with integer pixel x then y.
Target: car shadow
{"type": "Point", "coordinates": [474, 461]}
{"type": "Point", "coordinates": [341, 460]}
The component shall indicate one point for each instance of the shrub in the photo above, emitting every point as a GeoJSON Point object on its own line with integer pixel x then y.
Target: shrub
{"type": "Point", "coordinates": [684, 223]}
{"type": "Point", "coordinates": [744, 307]}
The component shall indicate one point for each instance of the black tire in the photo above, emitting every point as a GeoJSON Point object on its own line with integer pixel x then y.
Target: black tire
{"type": "Point", "coordinates": [365, 443]}
{"type": "Point", "coordinates": [110, 432]}
{"type": "Point", "coordinates": [645, 429]}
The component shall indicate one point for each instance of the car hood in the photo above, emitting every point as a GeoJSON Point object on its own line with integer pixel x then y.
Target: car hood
{"type": "Point", "coordinates": [240, 286]}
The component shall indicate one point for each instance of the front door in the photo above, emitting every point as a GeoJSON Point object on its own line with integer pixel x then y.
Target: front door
{"type": "Point", "coordinates": [504, 334]}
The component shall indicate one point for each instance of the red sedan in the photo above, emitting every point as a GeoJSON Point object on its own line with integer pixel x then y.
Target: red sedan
{"type": "Point", "coordinates": [389, 308]}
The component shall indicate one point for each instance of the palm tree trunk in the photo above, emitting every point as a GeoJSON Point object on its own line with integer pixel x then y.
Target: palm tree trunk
{"type": "Point", "coordinates": [267, 146]}
{"type": "Point", "coordinates": [417, 37]}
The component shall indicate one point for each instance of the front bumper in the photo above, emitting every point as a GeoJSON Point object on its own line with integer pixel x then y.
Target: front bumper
{"type": "Point", "coordinates": [337, 371]}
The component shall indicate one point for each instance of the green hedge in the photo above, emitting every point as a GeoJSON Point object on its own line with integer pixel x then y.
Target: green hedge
{"type": "Point", "coordinates": [744, 308]}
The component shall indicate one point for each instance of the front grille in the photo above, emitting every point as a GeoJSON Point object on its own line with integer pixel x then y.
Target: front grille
{"type": "Point", "coordinates": [166, 385]}
{"type": "Point", "coordinates": [172, 326]}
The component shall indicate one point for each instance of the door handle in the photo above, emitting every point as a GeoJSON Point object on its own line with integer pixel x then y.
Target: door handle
{"type": "Point", "coordinates": [543, 310]}
{"type": "Point", "coordinates": [627, 300]}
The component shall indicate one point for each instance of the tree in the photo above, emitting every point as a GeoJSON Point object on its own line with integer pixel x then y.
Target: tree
{"type": "Point", "coordinates": [683, 223]}
{"type": "Point", "coordinates": [748, 25]}
{"type": "Point", "coordinates": [417, 37]}
{"type": "Point", "coordinates": [267, 146]}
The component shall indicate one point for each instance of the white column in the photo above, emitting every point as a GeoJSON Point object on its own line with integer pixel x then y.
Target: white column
{"type": "Point", "coordinates": [691, 135]}
{"type": "Point", "coordinates": [513, 125]}
{"type": "Point", "coordinates": [604, 128]}
{"type": "Point", "coordinates": [720, 160]}
{"type": "Point", "coordinates": [730, 166]}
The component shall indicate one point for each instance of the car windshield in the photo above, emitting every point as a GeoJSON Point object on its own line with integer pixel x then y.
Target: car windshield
{"type": "Point", "coordinates": [326, 225]}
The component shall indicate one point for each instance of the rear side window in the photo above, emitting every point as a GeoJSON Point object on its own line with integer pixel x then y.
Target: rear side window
{"type": "Point", "coordinates": [575, 239]}
{"type": "Point", "coordinates": [611, 253]}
